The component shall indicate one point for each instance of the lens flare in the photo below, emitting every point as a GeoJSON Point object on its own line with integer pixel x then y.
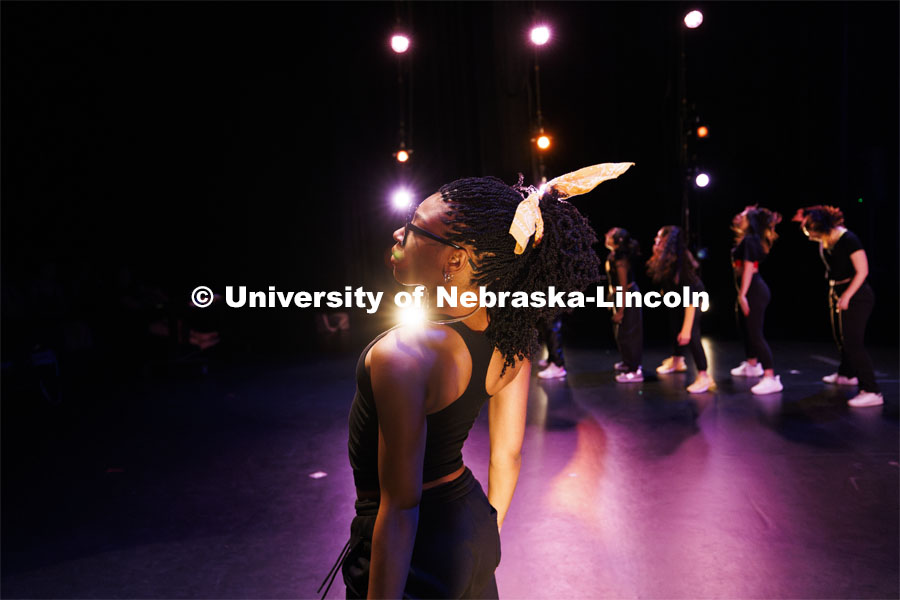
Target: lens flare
{"type": "Point", "coordinates": [412, 316]}
{"type": "Point", "coordinates": [693, 19]}
{"type": "Point", "coordinates": [400, 43]}
{"type": "Point", "coordinates": [540, 35]}
{"type": "Point", "coordinates": [401, 199]}
{"type": "Point", "coordinates": [702, 180]}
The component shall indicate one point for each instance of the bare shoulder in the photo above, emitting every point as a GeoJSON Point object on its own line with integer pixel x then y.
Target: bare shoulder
{"type": "Point", "coordinates": [409, 349]}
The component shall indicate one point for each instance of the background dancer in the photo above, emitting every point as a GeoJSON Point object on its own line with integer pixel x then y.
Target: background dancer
{"type": "Point", "coordinates": [672, 266]}
{"type": "Point", "coordinates": [850, 298]}
{"type": "Point", "coordinates": [754, 230]}
{"type": "Point", "coordinates": [628, 322]}
{"type": "Point", "coordinates": [550, 333]}
{"type": "Point", "coordinates": [424, 527]}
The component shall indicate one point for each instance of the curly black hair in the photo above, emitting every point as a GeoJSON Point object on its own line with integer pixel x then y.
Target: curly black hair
{"type": "Point", "coordinates": [672, 263]}
{"type": "Point", "coordinates": [480, 212]}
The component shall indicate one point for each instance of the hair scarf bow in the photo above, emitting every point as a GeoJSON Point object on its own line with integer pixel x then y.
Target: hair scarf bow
{"type": "Point", "coordinates": [528, 220]}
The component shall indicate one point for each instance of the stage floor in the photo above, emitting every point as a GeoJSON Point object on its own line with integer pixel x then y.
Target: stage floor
{"type": "Point", "coordinates": [204, 487]}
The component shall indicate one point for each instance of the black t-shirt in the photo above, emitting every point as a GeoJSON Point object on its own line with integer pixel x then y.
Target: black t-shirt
{"type": "Point", "coordinates": [837, 258]}
{"type": "Point", "coordinates": [613, 273]}
{"type": "Point", "coordinates": [750, 250]}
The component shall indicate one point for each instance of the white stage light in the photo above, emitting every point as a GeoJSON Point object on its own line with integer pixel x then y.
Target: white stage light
{"type": "Point", "coordinates": [540, 35]}
{"type": "Point", "coordinates": [401, 199]}
{"type": "Point", "coordinates": [693, 19]}
{"type": "Point", "coordinates": [400, 44]}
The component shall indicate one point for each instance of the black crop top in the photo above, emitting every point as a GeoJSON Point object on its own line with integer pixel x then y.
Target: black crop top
{"type": "Point", "coordinates": [447, 429]}
{"type": "Point", "coordinates": [838, 265]}
{"type": "Point", "coordinates": [749, 250]}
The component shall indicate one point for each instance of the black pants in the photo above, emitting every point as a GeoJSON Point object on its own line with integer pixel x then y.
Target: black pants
{"type": "Point", "coordinates": [755, 345]}
{"type": "Point", "coordinates": [849, 329]}
{"type": "Point", "coordinates": [630, 336]}
{"type": "Point", "coordinates": [551, 334]}
{"type": "Point", "coordinates": [676, 319]}
{"type": "Point", "coordinates": [457, 544]}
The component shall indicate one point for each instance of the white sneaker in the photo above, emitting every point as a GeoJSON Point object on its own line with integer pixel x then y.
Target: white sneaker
{"type": "Point", "coordinates": [840, 379]}
{"type": "Point", "coordinates": [866, 399]}
{"type": "Point", "coordinates": [747, 370]}
{"type": "Point", "coordinates": [552, 372]}
{"type": "Point", "coordinates": [620, 366]}
{"type": "Point", "coordinates": [768, 385]}
{"type": "Point", "coordinates": [701, 385]}
{"type": "Point", "coordinates": [672, 366]}
{"type": "Point", "coordinates": [631, 377]}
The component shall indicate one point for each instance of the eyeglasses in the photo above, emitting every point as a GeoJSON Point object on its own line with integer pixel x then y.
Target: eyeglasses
{"type": "Point", "coordinates": [410, 227]}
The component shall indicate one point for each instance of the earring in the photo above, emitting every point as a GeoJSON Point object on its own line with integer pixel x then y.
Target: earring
{"type": "Point", "coordinates": [447, 277]}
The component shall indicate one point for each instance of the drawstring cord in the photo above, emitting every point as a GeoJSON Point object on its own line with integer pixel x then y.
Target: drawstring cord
{"type": "Point", "coordinates": [334, 569]}
{"type": "Point", "coordinates": [837, 318]}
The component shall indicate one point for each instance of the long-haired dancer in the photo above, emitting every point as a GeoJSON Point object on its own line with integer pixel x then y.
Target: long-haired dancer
{"type": "Point", "coordinates": [754, 231]}
{"type": "Point", "coordinates": [423, 527]}
{"type": "Point", "coordinates": [850, 298]}
{"type": "Point", "coordinates": [628, 322]}
{"type": "Point", "coordinates": [672, 266]}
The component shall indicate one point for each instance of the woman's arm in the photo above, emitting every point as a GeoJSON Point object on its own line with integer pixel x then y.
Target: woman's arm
{"type": "Point", "coordinates": [684, 337]}
{"type": "Point", "coordinates": [746, 278]}
{"type": "Point", "coordinates": [399, 375]}
{"type": "Point", "coordinates": [622, 274]}
{"type": "Point", "coordinates": [861, 264]}
{"type": "Point", "coordinates": [507, 411]}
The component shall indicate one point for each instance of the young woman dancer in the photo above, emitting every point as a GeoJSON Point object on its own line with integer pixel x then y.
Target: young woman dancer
{"type": "Point", "coordinates": [850, 298]}
{"type": "Point", "coordinates": [754, 230]}
{"type": "Point", "coordinates": [423, 527]}
{"type": "Point", "coordinates": [672, 266]}
{"type": "Point", "coordinates": [628, 322]}
{"type": "Point", "coordinates": [550, 333]}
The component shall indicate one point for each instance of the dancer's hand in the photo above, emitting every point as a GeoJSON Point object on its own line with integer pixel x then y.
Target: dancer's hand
{"type": "Point", "coordinates": [843, 302]}
{"type": "Point", "coordinates": [684, 338]}
{"type": "Point", "coordinates": [618, 316]}
{"type": "Point", "coordinates": [745, 306]}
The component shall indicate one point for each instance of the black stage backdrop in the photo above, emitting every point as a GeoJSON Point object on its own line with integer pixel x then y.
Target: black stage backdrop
{"type": "Point", "coordinates": [148, 148]}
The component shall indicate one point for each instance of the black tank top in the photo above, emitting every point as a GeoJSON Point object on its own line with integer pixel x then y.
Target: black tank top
{"type": "Point", "coordinates": [612, 273]}
{"type": "Point", "coordinates": [447, 430]}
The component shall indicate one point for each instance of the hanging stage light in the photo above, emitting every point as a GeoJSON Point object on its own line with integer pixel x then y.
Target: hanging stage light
{"type": "Point", "coordinates": [400, 43]}
{"type": "Point", "coordinates": [693, 19]}
{"type": "Point", "coordinates": [702, 131]}
{"type": "Point", "coordinates": [543, 141]}
{"type": "Point", "coordinates": [702, 180]}
{"type": "Point", "coordinates": [540, 35]}
{"type": "Point", "coordinates": [402, 156]}
{"type": "Point", "coordinates": [401, 199]}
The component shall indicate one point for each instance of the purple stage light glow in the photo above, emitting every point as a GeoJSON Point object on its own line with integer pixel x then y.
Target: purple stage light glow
{"type": "Point", "coordinates": [401, 199]}
{"type": "Point", "coordinates": [540, 35]}
{"type": "Point", "coordinates": [400, 43]}
{"type": "Point", "coordinates": [693, 19]}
